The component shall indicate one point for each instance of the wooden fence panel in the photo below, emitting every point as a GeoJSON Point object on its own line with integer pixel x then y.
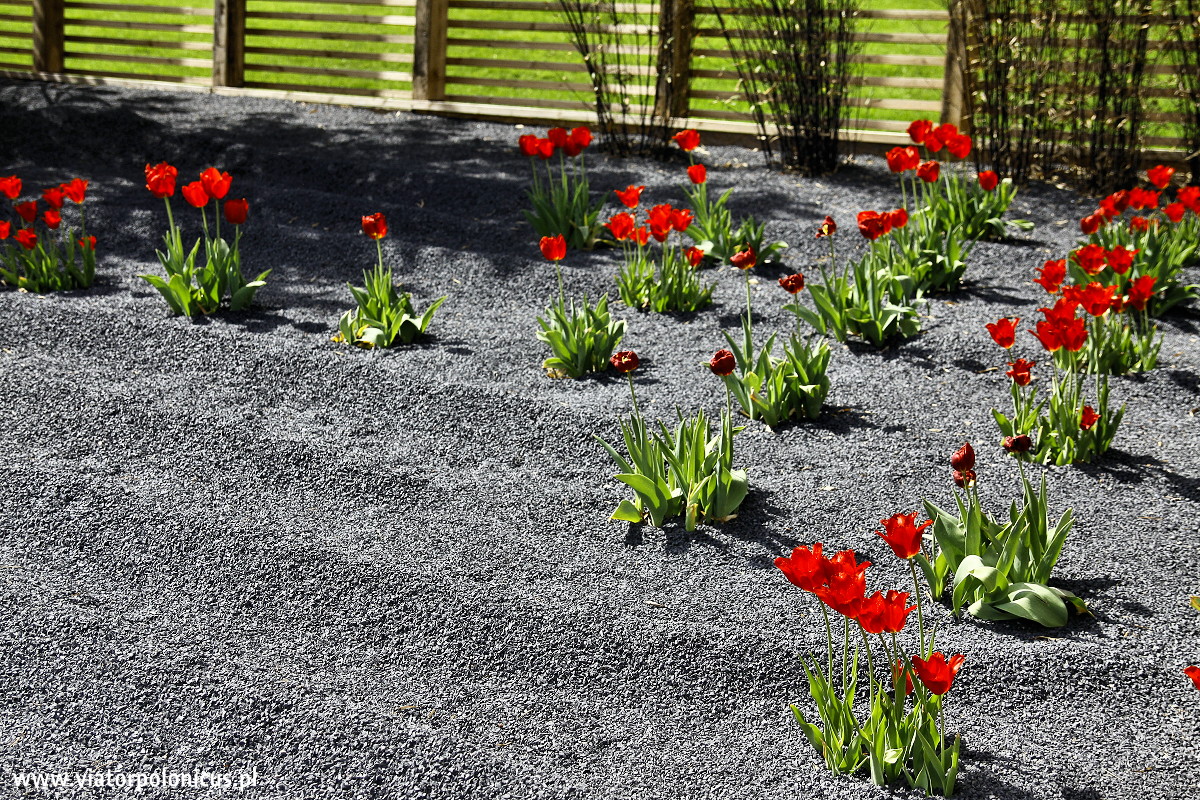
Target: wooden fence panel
{"type": "Point", "coordinates": [351, 47]}
{"type": "Point", "coordinates": [16, 35]}
{"type": "Point", "coordinates": [139, 39]}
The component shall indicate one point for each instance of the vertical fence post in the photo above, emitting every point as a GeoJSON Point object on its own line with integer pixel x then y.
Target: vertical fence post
{"type": "Point", "coordinates": [48, 37]}
{"type": "Point", "coordinates": [955, 103]}
{"type": "Point", "coordinates": [229, 42]}
{"type": "Point", "coordinates": [429, 50]}
{"type": "Point", "coordinates": [675, 26]}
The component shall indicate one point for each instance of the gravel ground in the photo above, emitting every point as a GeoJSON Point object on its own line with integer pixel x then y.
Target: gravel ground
{"type": "Point", "coordinates": [234, 545]}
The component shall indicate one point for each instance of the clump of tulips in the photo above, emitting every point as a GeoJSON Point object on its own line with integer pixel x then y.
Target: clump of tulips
{"type": "Point", "coordinates": [37, 252]}
{"type": "Point", "coordinates": [772, 389]}
{"type": "Point", "coordinates": [663, 278]}
{"type": "Point", "coordinates": [189, 287]}
{"type": "Point", "coordinates": [560, 193]}
{"type": "Point", "coordinates": [865, 298]}
{"type": "Point", "coordinates": [901, 733]}
{"type": "Point", "coordinates": [581, 336]}
{"type": "Point", "coordinates": [385, 316]}
{"type": "Point", "coordinates": [1164, 238]}
{"type": "Point", "coordinates": [685, 471]}
{"type": "Point", "coordinates": [712, 229]}
{"type": "Point", "coordinates": [1001, 567]}
{"type": "Point", "coordinates": [1064, 426]}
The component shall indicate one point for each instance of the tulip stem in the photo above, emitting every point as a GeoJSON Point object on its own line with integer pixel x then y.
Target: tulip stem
{"type": "Point", "coordinates": [870, 664]}
{"type": "Point", "coordinates": [920, 612]}
{"type": "Point", "coordinates": [828, 639]}
{"type": "Point", "coordinates": [749, 318]}
{"type": "Point", "coordinates": [379, 250]}
{"type": "Point", "coordinates": [636, 411]}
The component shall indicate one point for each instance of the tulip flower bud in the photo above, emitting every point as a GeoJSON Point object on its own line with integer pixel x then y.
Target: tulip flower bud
{"type": "Point", "coordinates": [722, 363]}
{"type": "Point", "coordinates": [1017, 444]}
{"type": "Point", "coordinates": [963, 459]}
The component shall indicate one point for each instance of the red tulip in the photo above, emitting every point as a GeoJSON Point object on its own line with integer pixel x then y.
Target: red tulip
{"type": "Point", "coordinates": [827, 228]}
{"type": "Point", "coordinates": [988, 180]}
{"type": "Point", "coordinates": [75, 190]}
{"type": "Point", "coordinates": [545, 148]}
{"type": "Point", "coordinates": [578, 141]}
{"type": "Point", "coordinates": [375, 225]}
{"type": "Point", "coordinates": [237, 210]}
{"type": "Point", "coordinates": [1139, 224]}
{"type": "Point", "coordinates": [1190, 197]}
{"type": "Point", "coordinates": [937, 674]}
{"type": "Point", "coordinates": [872, 224]}
{"type": "Point", "coordinates": [697, 173]}
{"type": "Point", "coordinates": [946, 130]}
{"type": "Point", "coordinates": [845, 583]}
{"type": "Point", "coordinates": [27, 210]}
{"type": "Point", "coordinates": [1051, 275]}
{"type": "Point", "coordinates": [621, 226]}
{"type": "Point", "coordinates": [1140, 291]}
{"type": "Point", "coordinates": [640, 235]}
{"type": "Point", "coordinates": [5, 229]}
{"type": "Point", "coordinates": [27, 238]}
{"type": "Point", "coordinates": [1004, 331]}
{"type": "Point", "coordinates": [681, 219]}
{"type": "Point", "coordinates": [53, 197]}
{"type": "Point", "coordinates": [52, 218]}
{"type": "Point", "coordinates": [963, 458]}
{"type": "Point", "coordinates": [744, 259]}
{"type": "Point", "coordinates": [929, 171]}
{"type": "Point", "coordinates": [559, 137]}
{"type": "Point", "coordinates": [195, 195]}
{"type": "Point", "coordinates": [688, 140]}
{"type": "Point", "coordinates": [933, 141]}
{"type": "Point", "coordinates": [722, 363]}
{"type": "Point", "coordinates": [1088, 418]}
{"type": "Point", "coordinates": [528, 144]}
{"type": "Point", "coordinates": [1174, 212]}
{"type": "Point", "coordinates": [902, 159]}
{"type": "Point", "coordinates": [1017, 444]}
{"type": "Point", "coordinates": [1096, 299]}
{"type": "Point", "coordinates": [88, 244]}
{"type": "Point", "coordinates": [1091, 258]}
{"type": "Point", "coordinates": [792, 283]}
{"type": "Point", "coordinates": [10, 187]}
{"type": "Point", "coordinates": [902, 534]}
{"type": "Point", "coordinates": [898, 218]}
{"type": "Point", "coordinates": [624, 361]}
{"type": "Point", "coordinates": [554, 248]}
{"type": "Point", "coordinates": [160, 179]}
{"type": "Point", "coordinates": [694, 255]}
{"type": "Point", "coordinates": [919, 130]}
{"type": "Point", "coordinates": [959, 145]}
{"type": "Point", "coordinates": [1021, 372]}
{"type": "Point", "coordinates": [630, 196]}
{"type": "Point", "coordinates": [1091, 223]}
{"type": "Point", "coordinates": [1140, 198]}
{"type": "Point", "coordinates": [1160, 176]}
{"type": "Point", "coordinates": [881, 613]}
{"type": "Point", "coordinates": [216, 183]}
{"type": "Point", "coordinates": [1120, 259]}
{"type": "Point", "coordinates": [804, 568]}
{"type": "Point", "coordinates": [1194, 674]}
{"type": "Point", "coordinates": [661, 218]}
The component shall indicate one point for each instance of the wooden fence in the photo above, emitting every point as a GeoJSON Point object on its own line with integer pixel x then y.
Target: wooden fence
{"type": "Point", "coordinates": [494, 59]}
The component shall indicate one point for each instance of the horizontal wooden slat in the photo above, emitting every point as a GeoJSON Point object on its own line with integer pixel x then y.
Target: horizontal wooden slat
{"type": "Point", "coordinates": [547, 27]}
{"type": "Point", "coordinates": [553, 86]}
{"type": "Point", "coordinates": [536, 102]}
{"type": "Point", "coordinates": [185, 11]}
{"type": "Point", "coordinates": [382, 3]}
{"type": "Point", "coordinates": [147, 43]}
{"type": "Point", "coordinates": [20, 37]}
{"type": "Point", "coordinates": [16, 18]}
{"type": "Point", "coordinates": [287, 69]}
{"type": "Point", "coordinates": [384, 58]}
{"type": "Point", "coordinates": [905, 14]}
{"type": "Point", "coordinates": [337, 36]}
{"type": "Point", "coordinates": [27, 67]}
{"type": "Point", "coordinates": [346, 90]}
{"type": "Point", "coordinates": [520, 66]}
{"type": "Point", "coordinates": [553, 8]}
{"type": "Point", "coordinates": [16, 51]}
{"type": "Point", "coordinates": [199, 81]}
{"type": "Point", "coordinates": [884, 81]}
{"type": "Point", "coordinates": [127, 25]}
{"type": "Point", "coordinates": [361, 19]}
{"type": "Point", "coordinates": [930, 39]}
{"type": "Point", "coordinates": [85, 55]}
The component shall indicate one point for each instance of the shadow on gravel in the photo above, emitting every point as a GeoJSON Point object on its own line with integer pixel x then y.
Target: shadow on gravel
{"type": "Point", "coordinates": [1133, 469]}
{"type": "Point", "coordinates": [994, 294]}
{"type": "Point", "coordinates": [985, 782]}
